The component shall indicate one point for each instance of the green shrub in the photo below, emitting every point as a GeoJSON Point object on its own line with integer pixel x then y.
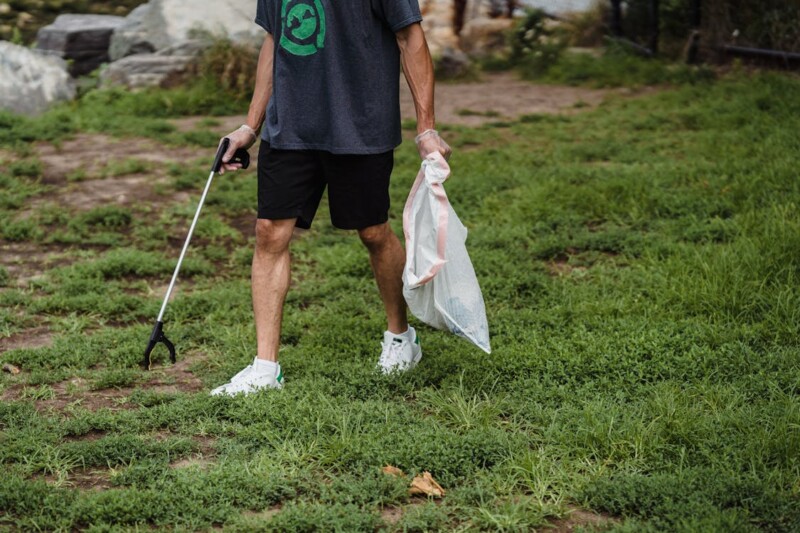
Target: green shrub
{"type": "Point", "coordinates": [618, 67]}
{"type": "Point", "coordinates": [233, 65]}
{"type": "Point", "coordinates": [534, 45]}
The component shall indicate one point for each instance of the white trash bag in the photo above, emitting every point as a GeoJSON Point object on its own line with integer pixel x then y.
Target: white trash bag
{"type": "Point", "coordinates": [439, 283]}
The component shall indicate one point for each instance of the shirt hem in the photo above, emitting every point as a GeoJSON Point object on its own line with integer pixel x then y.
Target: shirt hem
{"type": "Point", "coordinates": [340, 150]}
{"type": "Point", "coordinates": [264, 24]}
{"type": "Point", "coordinates": [407, 22]}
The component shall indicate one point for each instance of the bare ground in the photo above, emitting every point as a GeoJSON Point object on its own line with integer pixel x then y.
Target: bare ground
{"type": "Point", "coordinates": [167, 379]}
{"type": "Point", "coordinates": [502, 96]}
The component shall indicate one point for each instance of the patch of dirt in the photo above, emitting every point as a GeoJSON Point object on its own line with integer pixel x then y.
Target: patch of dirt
{"type": "Point", "coordinates": [76, 392]}
{"type": "Point", "coordinates": [83, 479]}
{"type": "Point", "coordinates": [223, 126]}
{"type": "Point", "coordinates": [500, 97]}
{"type": "Point", "coordinates": [392, 515]}
{"type": "Point", "coordinates": [89, 154]}
{"type": "Point", "coordinates": [560, 267]}
{"type": "Point", "coordinates": [579, 518]}
{"type": "Point", "coordinates": [25, 262]}
{"type": "Point", "coordinates": [91, 436]}
{"type": "Point", "coordinates": [122, 190]}
{"type": "Point", "coordinates": [192, 462]}
{"type": "Point", "coordinates": [577, 262]}
{"type": "Point", "coordinates": [31, 338]}
{"type": "Point", "coordinates": [263, 516]}
{"type": "Point", "coordinates": [174, 378]}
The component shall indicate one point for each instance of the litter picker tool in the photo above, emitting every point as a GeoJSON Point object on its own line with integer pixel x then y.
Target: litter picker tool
{"type": "Point", "coordinates": [157, 336]}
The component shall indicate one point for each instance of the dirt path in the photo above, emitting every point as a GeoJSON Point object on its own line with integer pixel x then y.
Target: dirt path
{"type": "Point", "coordinates": [496, 97]}
{"type": "Point", "coordinates": [501, 96]}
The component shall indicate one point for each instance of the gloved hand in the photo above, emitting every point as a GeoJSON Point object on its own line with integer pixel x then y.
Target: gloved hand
{"type": "Point", "coordinates": [429, 141]}
{"type": "Point", "coordinates": [244, 137]}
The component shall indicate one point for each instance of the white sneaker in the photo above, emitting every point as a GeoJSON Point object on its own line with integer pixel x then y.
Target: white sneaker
{"type": "Point", "coordinates": [399, 354]}
{"type": "Point", "coordinates": [249, 380]}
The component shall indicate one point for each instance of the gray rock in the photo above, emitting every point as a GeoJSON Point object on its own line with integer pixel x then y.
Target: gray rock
{"type": "Point", "coordinates": [132, 37]}
{"type": "Point", "coordinates": [163, 23]}
{"type": "Point", "coordinates": [30, 81]}
{"type": "Point", "coordinates": [84, 39]}
{"type": "Point", "coordinates": [437, 21]}
{"type": "Point", "coordinates": [165, 68]}
{"type": "Point", "coordinates": [452, 64]}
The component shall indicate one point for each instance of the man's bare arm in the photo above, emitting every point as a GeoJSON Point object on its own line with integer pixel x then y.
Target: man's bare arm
{"type": "Point", "coordinates": [418, 70]}
{"type": "Point", "coordinates": [244, 137]}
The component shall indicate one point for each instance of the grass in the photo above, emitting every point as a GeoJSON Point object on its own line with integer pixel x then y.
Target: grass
{"type": "Point", "coordinates": [641, 277]}
{"type": "Point", "coordinates": [616, 67]}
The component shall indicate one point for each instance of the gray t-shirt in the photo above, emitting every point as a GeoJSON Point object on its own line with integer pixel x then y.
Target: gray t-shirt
{"type": "Point", "coordinates": [336, 73]}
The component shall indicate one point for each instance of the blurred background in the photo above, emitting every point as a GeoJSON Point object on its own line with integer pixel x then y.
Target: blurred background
{"type": "Point", "coordinates": [165, 43]}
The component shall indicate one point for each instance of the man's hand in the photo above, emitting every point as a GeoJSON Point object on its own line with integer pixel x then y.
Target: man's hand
{"type": "Point", "coordinates": [429, 142]}
{"type": "Point", "coordinates": [244, 137]}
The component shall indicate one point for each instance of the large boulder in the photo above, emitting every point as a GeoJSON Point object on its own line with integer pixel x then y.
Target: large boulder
{"type": "Point", "coordinates": [452, 64]}
{"type": "Point", "coordinates": [437, 21]}
{"type": "Point", "coordinates": [165, 68]}
{"type": "Point", "coordinates": [30, 81]}
{"type": "Point", "coordinates": [160, 24]}
{"type": "Point", "coordinates": [83, 39]}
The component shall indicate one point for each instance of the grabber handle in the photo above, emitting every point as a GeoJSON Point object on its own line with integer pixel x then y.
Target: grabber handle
{"type": "Point", "coordinates": [240, 156]}
{"type": "Point", "coordinates": [155, 337]}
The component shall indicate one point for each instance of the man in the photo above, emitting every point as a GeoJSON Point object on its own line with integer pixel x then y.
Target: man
{"type": "Point", "coordinates": [327, 94]}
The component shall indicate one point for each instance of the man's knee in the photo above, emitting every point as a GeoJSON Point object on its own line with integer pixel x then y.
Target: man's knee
{"type": "Point", "coordinates": [273, 236]}
{"type": "Point", "coordinates": [375, 237]}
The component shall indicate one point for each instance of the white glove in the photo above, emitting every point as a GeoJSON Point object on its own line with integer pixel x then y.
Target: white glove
{"type": "Point", "coordinates": [429, 141]}
{"type": "Point", "coordinates": [244, 137]}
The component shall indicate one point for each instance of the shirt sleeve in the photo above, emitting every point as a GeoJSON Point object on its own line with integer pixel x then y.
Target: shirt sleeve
{"type": "Point", "coordinates": [263, 17]}
{"type": "Point", "coordinates": [397, 13]}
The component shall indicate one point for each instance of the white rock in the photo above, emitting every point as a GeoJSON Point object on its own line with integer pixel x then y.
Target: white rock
{"type": "Point", "coordinates": [163, 23]}
{"type": "Point", "coordinates": [437, 21]}
{"type": "Point", "coordinates": [31, 81]}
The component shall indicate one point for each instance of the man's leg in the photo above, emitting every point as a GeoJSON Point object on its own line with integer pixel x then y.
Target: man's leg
{"type": "Point", "coordinates": [387, 258]}
{"type": "Point", "coordinates": [270, 282]}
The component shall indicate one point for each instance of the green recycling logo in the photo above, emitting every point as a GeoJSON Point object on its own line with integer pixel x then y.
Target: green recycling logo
{"type": "Point", "coordinates": [303, 26]}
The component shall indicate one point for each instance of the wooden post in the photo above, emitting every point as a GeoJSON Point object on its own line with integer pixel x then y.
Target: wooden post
{"type": "Point", "coordinates": [654, 26]}
{"type": "Point", "coordinates": [616, 18]}
{"type": "Point", "coordinates": [697, 13]}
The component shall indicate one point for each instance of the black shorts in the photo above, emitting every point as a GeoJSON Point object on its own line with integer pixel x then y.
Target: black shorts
{"type": "Point", "coordinates": [291, 183]}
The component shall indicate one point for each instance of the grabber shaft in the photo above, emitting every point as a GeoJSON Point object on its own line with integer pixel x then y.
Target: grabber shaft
{"type": "Point", "coordinates": [158, 335]}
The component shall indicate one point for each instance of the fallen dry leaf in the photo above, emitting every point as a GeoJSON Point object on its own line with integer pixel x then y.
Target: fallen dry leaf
{"type": "Point", "coordinates": [393, 471]}
{"type": "Point", "coordinates": [425, 484]}
{"type": "Point", "coordinates": [11, 369]}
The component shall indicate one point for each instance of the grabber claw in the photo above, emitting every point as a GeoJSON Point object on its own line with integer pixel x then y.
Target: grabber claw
{"type": "Point", "coordinates": [156, 337]}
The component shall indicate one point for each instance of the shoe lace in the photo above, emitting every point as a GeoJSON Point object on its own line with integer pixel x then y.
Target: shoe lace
{"type": "Point", "coordinates": [242, 374]}
{"type": "Point", "coordinates": [392, 353]}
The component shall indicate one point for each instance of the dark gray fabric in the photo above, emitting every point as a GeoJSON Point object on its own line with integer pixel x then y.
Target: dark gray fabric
{"type": "Point", "coordinates": [336, 73]}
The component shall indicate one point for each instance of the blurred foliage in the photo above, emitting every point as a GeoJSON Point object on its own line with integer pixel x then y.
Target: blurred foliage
{"type": "Point", "coordinates": [23, 18]}
{"type": "Point", "coordinates": [233, 64]}
{"type": "Point", "coordinates": [765, 24]}
{"type": "Point", "coordinates": [588, 28]}
{"type": "Point", "coordinates": [535, 44]}
{"type": "Point", "coordinates": [771, 24]}
{"type": "Point", "coordinates": [619, 67]}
